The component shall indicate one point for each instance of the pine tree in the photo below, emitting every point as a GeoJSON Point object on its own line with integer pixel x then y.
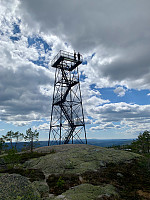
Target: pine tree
{"type": "Point", "coordinates": [8, 137]}
{"type": "Point", "coordinates": [18, 137]}
{"type": "Point", "coordinates": [31, 137]}
{"type": "Point", "coordinates": [2, 143]}
{"type": "Point", "coordinates": [142, 143]}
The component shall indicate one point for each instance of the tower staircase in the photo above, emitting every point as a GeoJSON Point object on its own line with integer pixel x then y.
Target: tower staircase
{"type": "Point", "coordinates": [66, 78]}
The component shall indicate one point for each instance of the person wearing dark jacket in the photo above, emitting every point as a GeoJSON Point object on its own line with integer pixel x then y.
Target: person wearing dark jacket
{"type": "Point", "coordinates": [78, 56]}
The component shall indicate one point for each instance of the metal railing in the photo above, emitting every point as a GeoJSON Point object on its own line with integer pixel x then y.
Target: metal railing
{"type": "Point", "coordinates": [66, 54]}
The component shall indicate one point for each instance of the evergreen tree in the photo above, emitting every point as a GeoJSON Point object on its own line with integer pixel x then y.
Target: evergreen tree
{"type": "Point", "coordinates": [8, 137]}
{"type": "Point", "coordinates": [2, 143]}
{"type": "Point", "coordinates": [31, 137]}
{"type": "Point", "coordinates": [18, 137]}
{"type": "Point", "coordinates": [142, 143]}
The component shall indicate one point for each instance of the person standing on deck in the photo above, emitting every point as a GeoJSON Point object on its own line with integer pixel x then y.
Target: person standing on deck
{"type": "Point", "coordinates": [78, 56]}
{"type": "Point", "coordinates": [74, 55]}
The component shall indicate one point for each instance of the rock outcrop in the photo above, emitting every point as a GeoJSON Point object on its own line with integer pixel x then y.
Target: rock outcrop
{"type": "Point", "coordinates": [71, 172]}
{"type": "Point", "coordinates": [77, 158]}
{"type": "Point", "coordinates": [14, 186]}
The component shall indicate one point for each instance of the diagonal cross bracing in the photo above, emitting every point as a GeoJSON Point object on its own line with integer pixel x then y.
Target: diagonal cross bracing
{"type": "Point", "coordinates": [67, 119]}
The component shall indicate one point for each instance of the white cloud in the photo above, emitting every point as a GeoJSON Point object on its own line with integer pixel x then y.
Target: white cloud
{"type": "Point", "coordinates": [120, 91]}
{"type": "Point", "coordinates": [88, 121]}
{"type": "Point", "coordinates": [44, 126]}
{"type": "Point", "coordinates": [130, 116]}
{"type": "Point", "coordinates": [91, 98]}
{"type": "Point", "coordinates": [108, 125]}
{"type": "Point", "coordinates": [116, 32]}
{"type": "Point", "coordinates": [20, 91]}
{"type": "Point", "coordinates": [24, 87]}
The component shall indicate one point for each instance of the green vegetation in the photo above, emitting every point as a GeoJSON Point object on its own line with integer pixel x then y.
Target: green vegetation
{"type": "Point", "coordinates": [12, 164]}
{"type": "Point", "coordinates": [78, 171]}
{"type": "Point", "coordinates": [12, 157]}
{"type": "Point", "coordinates": [91, 192]}
{"type": "Point", "coordinates": [18, 137]}
{"type": "Point", "coordinates": [31, 137]}
{"type": "Point", "coordinates": [2, 144]}
{"type": "Point", "coordinates": [11, 160]}
{"type": "Point", "coordinates": [135, 180]}
{"type": "Point", "coordinates": [128, 178]}
{"type": "Point", "coordinates": [69, 165]}
{"type": "Point", "coordinates": [8, 137]}
{"type": "Point", "coordinates": [14, 186]}
{"type": "Point", "coordinates": [11, 136]}
{"type": "Point", "coordinates": [60, 182]}
{"type": "Point", "coordinates": [141, 145]}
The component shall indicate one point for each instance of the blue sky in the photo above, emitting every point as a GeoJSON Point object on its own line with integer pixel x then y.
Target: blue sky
{"type": "Point", "coordinates": [113, 37]}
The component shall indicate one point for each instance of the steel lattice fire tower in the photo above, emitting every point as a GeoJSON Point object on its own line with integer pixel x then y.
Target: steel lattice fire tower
{"type": "Point", "coordinates": [67, 119]}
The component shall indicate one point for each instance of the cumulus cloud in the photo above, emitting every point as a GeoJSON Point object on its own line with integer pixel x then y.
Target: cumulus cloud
{"type": "Point", "coordinates": [113, 37]}
{"type": "Point", "coordinates": [108, 125]}
{"type": "Point", "coordinates": [130, 116]}
{"type": "Point", "coordinates": [88, 121]}
{"type": "Point", "coordinates": [24, 87]}
{"type": "Point", "coordinates": [44, 126]}
{"type": "Point", "coordinates": [120, 91]}
{"type": "Point", "coordinates": [110, 29]}
{"type": "Point", "coordinates": [86, 24]}
{"type": "Point", "coordinates": [118, 32]}
{"type": "Point", "coordinates": [91, 98]}
{"type": "Point", "coordinates": [21, 98]}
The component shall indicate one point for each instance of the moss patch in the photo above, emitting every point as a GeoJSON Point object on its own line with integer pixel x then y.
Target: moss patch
{"type": "Point", "coordinates": [42, 188]}
{"type": "Point", "coordinates": [89, 192]}
{"type": "Point", "coordinates": [16, 187]}
{"type": "Point", "coordinates": [92, 173]}
{"type": "Point", "coordinates": [32, 174]}
{"type": "Point", "coordinates": [78, 159]}
{"type": "Point", "coordinates": [128, 178]}
{"type": "Point", "coordinates": [59, 183]}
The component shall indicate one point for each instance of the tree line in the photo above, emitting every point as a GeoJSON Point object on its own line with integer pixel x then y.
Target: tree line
{"type": "Point", "coordinates": [30, 136]}
{"type": "Point", "coordinates": [140, 145]}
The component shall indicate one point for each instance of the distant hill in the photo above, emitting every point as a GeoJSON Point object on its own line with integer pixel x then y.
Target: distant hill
{"type": "Point", "coordinates": [96, 142]}
{"type": "Point", "coordinates": [109, 142]}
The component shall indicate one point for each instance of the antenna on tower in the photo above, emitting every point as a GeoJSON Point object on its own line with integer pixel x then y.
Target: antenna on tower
{"type": "Point", "coordinates": [67, 118]}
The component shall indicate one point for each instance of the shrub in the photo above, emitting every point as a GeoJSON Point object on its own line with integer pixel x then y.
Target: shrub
{"type": "Point", "coordinates": [12, 157]}
{"type": "Point", "coordinates": [60, 183]}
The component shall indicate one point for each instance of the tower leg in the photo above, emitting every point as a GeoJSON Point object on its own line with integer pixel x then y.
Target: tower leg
{"type": "Point", "coordinates": [67, 118]}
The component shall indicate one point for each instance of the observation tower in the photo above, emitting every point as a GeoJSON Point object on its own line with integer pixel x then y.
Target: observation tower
{"type": "Point", "coordinates": [67, 120]}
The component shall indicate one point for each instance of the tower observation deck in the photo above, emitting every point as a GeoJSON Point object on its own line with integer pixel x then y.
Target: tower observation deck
{"type": "Point", "coordinates": [67, 119]}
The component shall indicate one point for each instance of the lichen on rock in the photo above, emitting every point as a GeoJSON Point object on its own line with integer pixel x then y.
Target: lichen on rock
{"type": "Point", "coordinates": [42, 188]}
{"type": "Point", "coordinates": [78, 159]}
{"type": "Point", "coordinates": [16, 187]}
{"type": "Point", "coordinates": [89, 192]}
{"type": "Point", "coordinates": [73, 172]}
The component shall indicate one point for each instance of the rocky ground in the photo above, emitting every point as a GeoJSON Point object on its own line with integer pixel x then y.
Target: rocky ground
{"type": "Point", "coordinates": [78, 172]}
